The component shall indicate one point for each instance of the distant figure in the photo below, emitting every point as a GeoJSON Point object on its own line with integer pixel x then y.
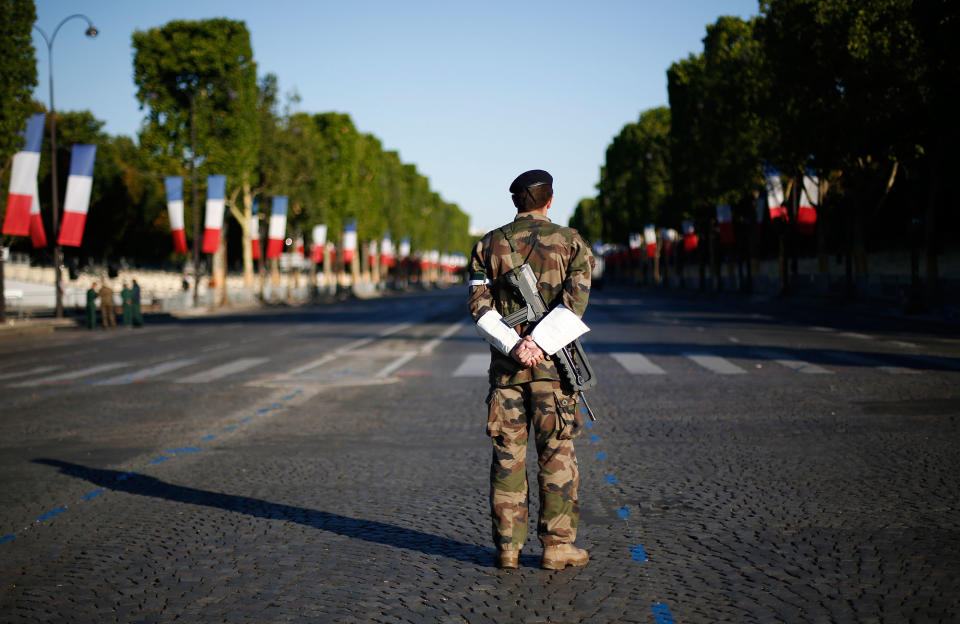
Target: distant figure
{"type": "Point", "coordinates": [126, 296]}
{"type": "Point", "coordinates": [106, 307]}
{"type": "Point", "coordinates": [92, 306]}
{"type": "Point", "coordinates": [137, 314]}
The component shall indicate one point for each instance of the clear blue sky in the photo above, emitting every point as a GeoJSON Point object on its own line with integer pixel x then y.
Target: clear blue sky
{"type": "Point", "coordinates": [472, 93]}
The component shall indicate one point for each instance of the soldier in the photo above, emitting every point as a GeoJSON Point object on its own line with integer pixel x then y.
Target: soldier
{"type": "Point", "coordinates": [92, 306]}
{"type": "Point", "coordinates": [525, 386]}
{"type": "Point", "coordinates": [137, 313]}
{"type": "Point", "coordinates": [126, 296]}
{"type": "Point", "coordinates": [106, 307]}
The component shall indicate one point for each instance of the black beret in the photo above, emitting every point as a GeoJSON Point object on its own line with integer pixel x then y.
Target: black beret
{"type": "Point", "coordinates": [527, 179]}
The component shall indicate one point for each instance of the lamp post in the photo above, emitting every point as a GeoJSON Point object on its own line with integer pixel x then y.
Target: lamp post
{"type": "Point", "coordinates": [57, 260]}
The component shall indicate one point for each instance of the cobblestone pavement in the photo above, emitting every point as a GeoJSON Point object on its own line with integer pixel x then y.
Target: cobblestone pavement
{"type": "Point", "coordinates": [344, 478]}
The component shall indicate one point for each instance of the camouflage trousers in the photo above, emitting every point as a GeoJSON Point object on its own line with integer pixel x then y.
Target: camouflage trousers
{"type": "Point", "coordinates": [511, 412]}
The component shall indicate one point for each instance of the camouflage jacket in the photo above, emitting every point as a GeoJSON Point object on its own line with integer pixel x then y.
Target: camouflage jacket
{"type": "Point", "coordinates": [562, 262]}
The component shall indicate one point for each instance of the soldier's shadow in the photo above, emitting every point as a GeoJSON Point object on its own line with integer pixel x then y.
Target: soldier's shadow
{"type": "Point", "coordinates": [366, 530]}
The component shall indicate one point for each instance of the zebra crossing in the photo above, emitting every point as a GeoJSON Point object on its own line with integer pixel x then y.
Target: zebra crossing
{"type": "Point", "coordinates": [475, 364]}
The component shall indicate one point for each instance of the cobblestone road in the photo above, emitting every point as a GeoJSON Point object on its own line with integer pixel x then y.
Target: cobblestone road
{"type": "Point", "coordinates": [346, 479]}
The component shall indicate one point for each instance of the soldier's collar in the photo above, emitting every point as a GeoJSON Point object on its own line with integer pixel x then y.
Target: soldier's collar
{"type": "Point", "coordinates": [531, 215]}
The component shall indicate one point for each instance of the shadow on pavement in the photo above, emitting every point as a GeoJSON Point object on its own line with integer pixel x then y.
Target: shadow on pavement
{"type": "Point", "coordinates": [366, 530]}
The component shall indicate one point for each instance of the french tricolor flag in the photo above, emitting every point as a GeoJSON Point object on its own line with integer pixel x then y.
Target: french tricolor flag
{"type": "Point", "coordinates": [23, 180]}
{"type": "Point", "coordinates": [776, 198]}
{"type": "Point", "coordinates": [404, 249]}
{"type": "Point", "coordinates": [255, 231]}
{"type": "Point", "coordinates": [319, 243]}
{"type": "Point", "coordinates": [278, 227]}
{"type": "Point", "coordinates": [349, 240]}
{"type": "Point", "coordinates": [213, 216]}
{"type": "Point", "coordinates": [77, 200]}
{"type": "Point", "coordinates": [386, 251]}
{"type": "Point", "coordinates": [725, 224]}
{"type": "Point", "coordinates": [174, 186]}
{"type": "Point", "coordinates": [38, 236]}
{"type": "Point", "coordinates": [650, 238]}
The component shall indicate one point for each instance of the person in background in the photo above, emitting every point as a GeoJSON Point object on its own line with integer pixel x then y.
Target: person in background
{"type": "Point", "coordinates": [106, 307]}
{"type": "Point", "coordinates": [92, 306]}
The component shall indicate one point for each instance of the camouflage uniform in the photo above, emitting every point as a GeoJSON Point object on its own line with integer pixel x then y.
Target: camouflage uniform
{"type": "Point", "coordinates": [562, 262]}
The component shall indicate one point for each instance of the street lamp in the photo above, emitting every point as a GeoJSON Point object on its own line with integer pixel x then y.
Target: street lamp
{"type": "Point", "coordinates": [57, 260]}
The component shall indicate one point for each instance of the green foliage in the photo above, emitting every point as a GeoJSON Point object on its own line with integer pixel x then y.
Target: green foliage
{"type": "Point", "coordinates": [587, 220]}
{"type": "Point", "coordinates": [202, 73]}
{"type": "Point", "coordinates": [635, 186]}
{"type": "Point", "coordinates": [18, 74]}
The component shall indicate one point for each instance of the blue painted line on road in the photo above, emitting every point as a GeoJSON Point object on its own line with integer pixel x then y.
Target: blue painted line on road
{"type": "Point", "coordinates": [288, 397]}
{"type": "Point", "coordinates": [298, 392]}
{"type": "Point", "coordinates": [157, 461]}
{"type": "Point", "coordinates": [601, 456]}
{"type": "Point", "coordinates": [263, 411]}
{"type": "Point", "coordinates": [206, 438]}
{"type": "Point", "coordinates": [594, 438]}
{"type": "Point", "coordinates": [7, 538]}
{"type": "Point", "coordinates": [275, 405]}
{"type": "Point", "coordinates": [8, 404]}
{"type": "Point", "coordinates": [92, 495]}
{"type": "Point", "coordinates": [245, 420]}
{"type": "Point", "coordinates": [186, 449]}
{"type": "Point", "coordinates": [611, 478]}
{"type": "Point", "coordinates": [661, 614]}
{"type": "Point", "coordinates": [589, 423]}
{"type": "Point", "coordinates": [126, 475]}
{"type": "Point", "coordinates": [638, 553]}
{"type": "Point", "coordinates": [624, 512]}
{"type": "Point", "coordinates": [51, 513]}
{"type": "Point", "coordinates": [230, 428]}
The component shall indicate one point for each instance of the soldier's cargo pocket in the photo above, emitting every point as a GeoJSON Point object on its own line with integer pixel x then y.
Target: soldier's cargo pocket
{"type": "Point", "coordinates": [494, 413]}
{"type": "Point", "coordinates": [569, 420]}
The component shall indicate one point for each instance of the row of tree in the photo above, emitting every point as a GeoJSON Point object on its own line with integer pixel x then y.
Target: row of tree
{"type": "Point", "coordinates": [207, 113]}
{"type": "Point", "coordinates": [862, 94]}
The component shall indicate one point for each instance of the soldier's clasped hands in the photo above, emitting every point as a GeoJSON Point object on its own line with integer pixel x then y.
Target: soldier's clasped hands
{"type": "Point", "coordinates": [528, 353]}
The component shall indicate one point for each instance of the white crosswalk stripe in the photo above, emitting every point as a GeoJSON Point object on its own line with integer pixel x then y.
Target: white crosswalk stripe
{"type": "Point", "coordinates": [637, 364]}
{"type": "Point", "coordinates": [27, 373]}
{"type": "Point", "coordinates": [77, 374]}
{"type": "Point", "coordinates": [145, 373]}
{"type": "Point", "coordinates": [795, 365]}
{"type": "Point", "coordinates": [861, 360]}
{"type": "Point", "coordinates": [474, 365]}
{"type": "Point", "coordinates": [715, 363]}
{"type": "Point", "coordinates": [219, 372]}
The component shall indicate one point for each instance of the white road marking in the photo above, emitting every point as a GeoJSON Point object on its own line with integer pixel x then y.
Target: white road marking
{"type": "Point", "coordinates": [145, 373]}
{"type": "Point", "coordinates": [856, 335]}
{"type": "Point", "coordinates": [859, 360]}
{"type": "Point", "coordinates": [356, 344]}
{"type": "Point", "coordinates": [474, 365]}
{"type": "Point", "coordinates": [219, 372]}
{"type": "Point", "coordinates": [74, 375]}
{"type": "Point", "coordinates": [715, 363]}
{"type": "Point", "coordinates": [637, 364]}
{"type": "Point", "coordinates": [798, 366]}
{"type": "Point", "coordinates": [27, 373]}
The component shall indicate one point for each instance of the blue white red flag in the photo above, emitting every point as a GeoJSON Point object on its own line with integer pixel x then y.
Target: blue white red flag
{"type": "Point", "coordinates": [174, 186]}
{"type": "Point", "coordinates": [77, 200]}
{"type": "Point", "coordinates": [255, 231]}
{"type": "Point", "coordinates": [278, 227]}
{"type": "Point", "coordinates": [213, 216]}
{"type": "Point", "coordinates": [319, 243]}
{"type": "Point", "coordinates": [23, 179]}
{"type": "Point", "coordinates": [349, 240]}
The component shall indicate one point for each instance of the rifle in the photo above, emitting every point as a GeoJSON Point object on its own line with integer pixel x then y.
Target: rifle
{"type": "Point", "coordinates": [571, 360]}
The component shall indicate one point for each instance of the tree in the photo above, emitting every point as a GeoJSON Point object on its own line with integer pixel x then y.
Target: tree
{"type": "Point", "coordinates": [635, 178]}
{"type": "Point", "coordinates": [198, 80]}
{"type": "Point", "coordinates": [587, 219]}
{"type": "Point", "coordinates": [18, 76]}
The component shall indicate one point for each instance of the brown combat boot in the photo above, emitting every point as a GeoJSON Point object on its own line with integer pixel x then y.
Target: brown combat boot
{"type": "Point", "coordinates": [508, 559]}
{"type": "Point", "coordinates": [559, 556]}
